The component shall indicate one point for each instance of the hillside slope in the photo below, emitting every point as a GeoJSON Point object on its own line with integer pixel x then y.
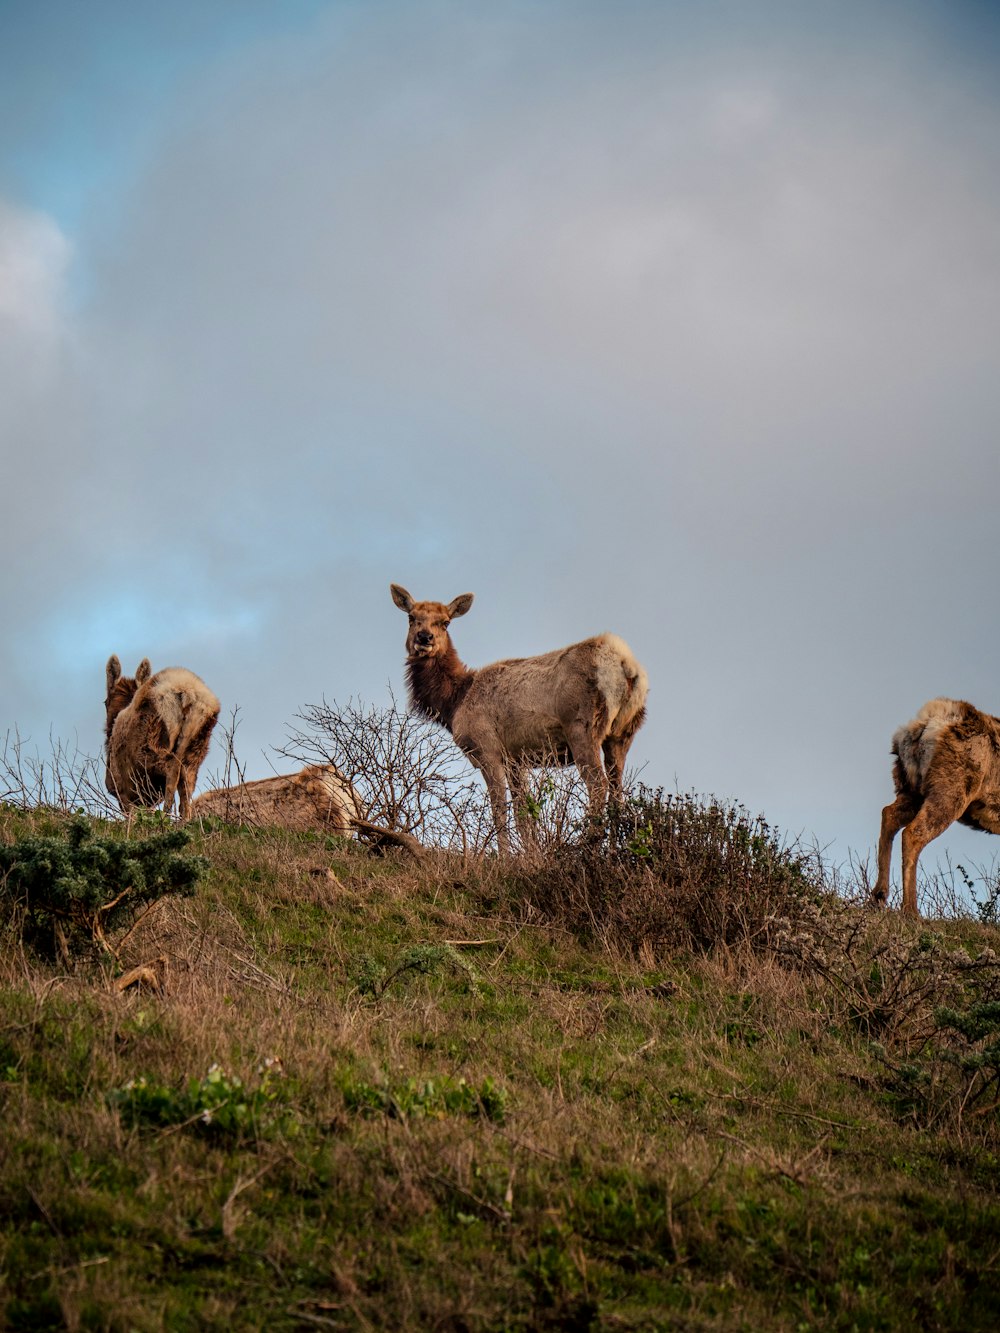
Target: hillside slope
{"type": "Point", "coordinates": [371, 1094]}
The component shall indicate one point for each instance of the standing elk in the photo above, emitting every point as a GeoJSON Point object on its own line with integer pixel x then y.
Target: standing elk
{"type": "Point", "coordinates": [947, 768]}
{"type": "Point", "coordinates": [564, 707]}
{"type": "Point", "coordinates": [157, 732]}
{"type": "Point", "coordinates": [317, 798]}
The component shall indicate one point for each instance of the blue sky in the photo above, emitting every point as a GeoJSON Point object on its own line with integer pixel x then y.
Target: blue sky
{"type": "Point", "coordinates": [678, 320]}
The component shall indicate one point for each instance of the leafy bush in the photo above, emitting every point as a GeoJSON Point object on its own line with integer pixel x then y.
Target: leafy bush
{"type": "Point", "coordinates": [219, 1104]}
{"type": "Point", "coordinates": [435, 1098]}
{"type": "Point", "coordinates": [73, 891]}
{"type": "Point", "coordinates": [665, 872]}
{"type": "Point", "coordinates": [952, 1077]}
{"type": "Point", "coordinates": [374, 978]}
{"type": "Point", "coordinates": [930, 1010]}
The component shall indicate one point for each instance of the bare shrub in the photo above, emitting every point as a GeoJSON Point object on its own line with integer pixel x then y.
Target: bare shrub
{"type": "Point", "coordinates": [233, 771]}
{"type": "Point", "coordinates": [408, 773]}
{"type": "Point", "coordinates": [554, 809]}
{"type": "Point", "coordinates": [66, 779]}
{"type": "Point", "coordinates": [672, 872]}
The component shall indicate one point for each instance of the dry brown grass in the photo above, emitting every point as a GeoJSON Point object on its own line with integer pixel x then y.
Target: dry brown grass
{"type": "Point", "coordinates": [699, 1137]}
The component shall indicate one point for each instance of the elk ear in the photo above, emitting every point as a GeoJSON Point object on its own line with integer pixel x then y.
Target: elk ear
{"type": "Point", "coordinates": [460, 605]}
{"type": "Point", "coordinates": [143, 671]}
{"type": "Point", "coordinates": [401, 597]}
{"type": "Point", "coordinates": [112, 671]}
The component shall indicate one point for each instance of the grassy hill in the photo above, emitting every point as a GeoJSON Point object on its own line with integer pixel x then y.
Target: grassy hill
{"type": "Point", "coordinates": [609, 1090]}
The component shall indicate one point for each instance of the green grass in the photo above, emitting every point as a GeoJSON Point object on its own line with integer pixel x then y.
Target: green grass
{"type": "Point", "coordinates": [376, 1096]}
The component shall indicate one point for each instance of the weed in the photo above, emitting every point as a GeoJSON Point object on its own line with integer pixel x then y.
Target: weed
{"type": "Point", "coordinates": [415, 1098]}
{"type": "Point", "coordinates": [219, 1104]}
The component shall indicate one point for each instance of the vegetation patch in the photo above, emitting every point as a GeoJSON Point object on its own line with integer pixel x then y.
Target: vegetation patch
{"type": "Point", "coordinates": [76, 889]}
{"type": "Point", "coordinates": [570, 1092]}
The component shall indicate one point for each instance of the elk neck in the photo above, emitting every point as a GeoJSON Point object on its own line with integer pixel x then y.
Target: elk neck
{"type": "Point", "coordinates": [122, 694]}
{"type": "Point", "coordinates": [438, 684]}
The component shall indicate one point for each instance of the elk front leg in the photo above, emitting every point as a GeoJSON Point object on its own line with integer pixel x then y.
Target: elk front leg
{"type": "Point", "coordinates": [496, 786]}
{"type": "Point", "coordinates": [527, 829]}
{"type": "Point", "coordinates": [587, 757]}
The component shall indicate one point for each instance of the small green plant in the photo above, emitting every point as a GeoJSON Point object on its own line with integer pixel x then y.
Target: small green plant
{"type": "Point", "coordinates": [987, 907]}
{"type": "Point", "coordinates": [428, 1098]}
{"type": "Point", "coordinates": [76, 890]}
{"type": "Point", "coordinates": [219, 1104]}
{"type": "Point", "coordinates": [535, 801]}
{"type": "Point", "coordinates": [978, 1056]}
{"type": "Point", "coordinates": [372, 978]}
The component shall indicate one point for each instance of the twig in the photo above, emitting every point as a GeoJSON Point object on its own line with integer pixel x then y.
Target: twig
{"type": "Point", "coordinates": [138, 921]}
{"type": "Point", "coordinates": [69, 1268]}
{"type": "Point", "coordinates": [779, 1110]}
{"type": "Point", "coordinates": [794, 1174]}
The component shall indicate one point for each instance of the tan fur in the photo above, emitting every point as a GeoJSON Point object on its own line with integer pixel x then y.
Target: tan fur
{"type": "Point", "coordinates": [947, 768]}
{"type": "Point", "coordinates": [158, 730]}
{"type": "Point", "coordinates": [566, 706]}
{"type": "Point", "coordinates": [318, 798]}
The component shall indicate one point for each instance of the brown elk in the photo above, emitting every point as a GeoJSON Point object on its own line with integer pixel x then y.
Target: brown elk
{"type": "Point", "coordinates": [947, 768]}
{"type": "Point", "coordinates": [157, 733]}
{"type": "Point", "coordinates": [317, 798]}
{"type": "Point", "coordinates": [564, 707]}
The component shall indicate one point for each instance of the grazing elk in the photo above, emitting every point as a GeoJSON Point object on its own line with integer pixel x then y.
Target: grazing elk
{"type": "Point", "coordinates": [564, 707]}
{"type": "Point", "coordinates": [157, 732]}
{"type": "Point", "coordinates": [317, 798]}
{"type": "Point", "coordinates": [947, 768]}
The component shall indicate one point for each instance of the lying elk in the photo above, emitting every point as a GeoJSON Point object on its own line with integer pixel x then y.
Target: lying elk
{"type": "Point", "coordinates": [564, 707]}
{"type": "Point", "coordinates": [318, 798]}
{"type": "Point", "coordinates": [947, 768]}
{"type": "Point", "coordinates": [158, 731]}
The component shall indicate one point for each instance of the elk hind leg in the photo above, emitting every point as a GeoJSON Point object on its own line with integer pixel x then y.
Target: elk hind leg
{"type": "Point", "coordinates": [894, 817]}
{"type": "Point", "coordinates": [173, 772]}
{"type": "Point", "coordinates": [185, 787]}
{"type": "Point", "coordinates": [939, 810]}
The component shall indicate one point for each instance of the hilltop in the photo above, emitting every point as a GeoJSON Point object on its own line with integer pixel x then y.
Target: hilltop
{"type": "Point", "coordinates": [596, 1091]}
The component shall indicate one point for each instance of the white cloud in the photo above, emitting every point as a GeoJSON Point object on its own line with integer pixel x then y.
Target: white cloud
{"type": "Point", "coordinates": [34, 259]}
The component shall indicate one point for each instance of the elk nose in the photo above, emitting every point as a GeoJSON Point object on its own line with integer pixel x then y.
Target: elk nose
{"type": "Point", "coordinates": [425, 638]}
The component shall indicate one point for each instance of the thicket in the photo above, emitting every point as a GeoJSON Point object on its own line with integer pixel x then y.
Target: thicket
{"type": "Point", "coordinates": [667, 872]}
{"type": "Point", "coordinates": [74, 889]}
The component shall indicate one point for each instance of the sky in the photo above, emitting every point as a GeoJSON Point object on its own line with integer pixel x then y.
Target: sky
{"type": "Point", "coordinates": [674, 319]}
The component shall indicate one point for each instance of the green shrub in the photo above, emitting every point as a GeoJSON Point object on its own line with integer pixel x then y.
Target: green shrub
{"type": "Point", "coordinates": [220, 1104]}
{"type": "Point", "coordinates": [667, 872]}
{"type": "Point", "coordinates": [432, 1098]}
{"type": "Point", "coordinates": [73, 891]}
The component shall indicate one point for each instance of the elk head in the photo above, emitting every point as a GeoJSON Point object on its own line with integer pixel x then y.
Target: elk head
{"type": "Point", "coordinates": [429, 621]}
{"type": "Point", "coordinates": [121, 689]}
